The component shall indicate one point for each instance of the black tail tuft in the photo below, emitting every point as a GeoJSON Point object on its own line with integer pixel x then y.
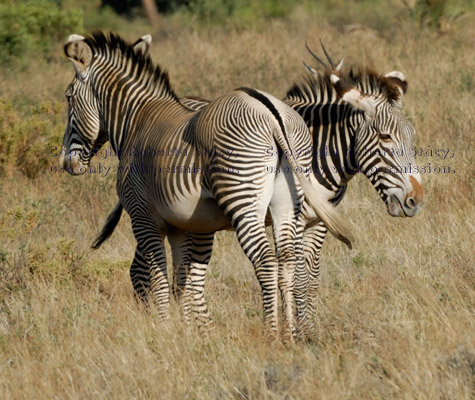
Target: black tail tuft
{"type": "Point", "coordinates": [111, 223]}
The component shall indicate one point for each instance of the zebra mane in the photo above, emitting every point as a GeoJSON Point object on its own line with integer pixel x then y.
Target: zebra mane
{"type": "Point", "coordinates": [108, 43]}
{"type": "Point", "coordinates": [312, 87]}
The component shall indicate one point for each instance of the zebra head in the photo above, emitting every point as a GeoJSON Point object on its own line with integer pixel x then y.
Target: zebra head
{"type": "Point", "coordinates": [382, 135]}
{"type": "Point", "coordinates": [84, 135]}
{"type": "Point", "coordinates": [384, 138]}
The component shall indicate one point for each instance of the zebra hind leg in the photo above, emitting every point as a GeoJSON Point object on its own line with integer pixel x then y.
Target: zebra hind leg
{"type": "Point", "coordinates": [252, 238]}
{"type": "Point", "coordinates": [191, 255]}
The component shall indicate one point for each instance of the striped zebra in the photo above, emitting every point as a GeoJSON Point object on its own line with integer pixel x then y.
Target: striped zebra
{"type": "Point", "coordinates": [357, 125]}
{"type": "Point", "coordinates": [176, 175]}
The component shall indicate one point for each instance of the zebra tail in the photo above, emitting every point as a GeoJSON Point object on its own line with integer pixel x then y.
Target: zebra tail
{"type": "Point", "coordinates": [323, 208]}
{"type": "Point", "coordinates": [109, 226]}
{"type": "Point", "coordinates": [326, 211]}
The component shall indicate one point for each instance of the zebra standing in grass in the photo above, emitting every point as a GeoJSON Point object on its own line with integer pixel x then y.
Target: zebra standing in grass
{"type": "Point", "coordinates": [357, 125]}
{"type": "Point", "coordinates": [170, 189]}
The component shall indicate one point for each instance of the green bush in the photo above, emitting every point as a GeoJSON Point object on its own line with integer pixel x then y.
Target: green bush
{"type": "Point", "coordinates": [27, 26]}
{"type": "Point", "coordinates": [436, 14]}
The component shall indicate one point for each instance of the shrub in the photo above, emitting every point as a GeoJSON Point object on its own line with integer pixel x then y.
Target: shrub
{"type": "Point", "coordinates": [26, 140]}
{"type": "Point", "coordinates": [38, 26]}
{"type": "Point", "coordinates": [434, 14]}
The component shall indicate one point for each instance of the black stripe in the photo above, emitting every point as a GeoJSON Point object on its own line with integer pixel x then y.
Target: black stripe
{"type": "Point", "coordinates": [264, 100]}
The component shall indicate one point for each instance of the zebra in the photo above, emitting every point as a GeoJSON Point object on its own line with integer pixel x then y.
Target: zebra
{"type": "Point", "coordinates": [119, 95]}
{"type": "Point", "coordinates": [357, 125]}
{"type": "Point", "coordinates": [356, 118]}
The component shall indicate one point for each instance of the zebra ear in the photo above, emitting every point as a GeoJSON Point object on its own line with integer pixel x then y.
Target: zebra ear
{"type": "Point", "coordinates": [397, 79]}
{"type": "Point", "coordinates": [353, 96]}
{"type": "Point", "coordinates": [79, 52]}
{"type": "Point", "coordinates": [143, 44]}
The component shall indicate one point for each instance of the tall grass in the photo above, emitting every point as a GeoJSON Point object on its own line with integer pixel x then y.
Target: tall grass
{"type": "Point", "coordinates": [395, 315]}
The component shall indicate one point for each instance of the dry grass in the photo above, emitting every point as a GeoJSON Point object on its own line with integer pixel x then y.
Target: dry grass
{"type": "Point", "coordinates": [396, 313]}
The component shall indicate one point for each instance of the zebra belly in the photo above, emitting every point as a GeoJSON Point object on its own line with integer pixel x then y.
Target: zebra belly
{"type": "Point", "coordinates": [195, 214]}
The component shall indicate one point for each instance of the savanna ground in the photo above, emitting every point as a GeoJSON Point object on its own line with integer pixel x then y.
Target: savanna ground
{"type": "Point", "coordinates": [395, 314]}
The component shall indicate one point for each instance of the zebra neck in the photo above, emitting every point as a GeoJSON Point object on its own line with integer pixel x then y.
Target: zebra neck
{"type": "Point", "coordinates": [118, 118]}
{"type": "Point", "coordinates": [333, 128]}
{"type": "Point", "coordinates": [127, 104]}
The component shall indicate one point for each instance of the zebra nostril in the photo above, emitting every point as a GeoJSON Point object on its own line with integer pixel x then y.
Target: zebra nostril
{"type": "Point", "coordinates": [411, 202]}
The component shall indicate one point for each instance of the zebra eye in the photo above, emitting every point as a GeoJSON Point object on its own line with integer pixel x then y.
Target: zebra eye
{"type": "Point", "coordinates": [385, 137]}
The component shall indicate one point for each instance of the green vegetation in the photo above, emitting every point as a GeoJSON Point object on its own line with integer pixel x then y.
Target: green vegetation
{"type": "Point", "coordinates": [34, 26]}
{"type": "Point", "coordinates": [37, 26]}
{"type": "Point", "coordinates": [395, 314]}
{"type": "Point", "coordinates": [436, 14]}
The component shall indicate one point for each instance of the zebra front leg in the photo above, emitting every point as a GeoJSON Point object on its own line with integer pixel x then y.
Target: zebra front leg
{"type": "Point", "coordinates": [201, 253]}
{"type": "Point", "coordinates": [181, 243]}
{"type": "Point", "coordinates": [313, 242]}
{"type": "Point", "coordinates": [307, 279]}
{"type": "Point", "coordinates": [140, 276]}
{"type": "Point", "coordinates": [150, 240]}
{"type": "Point", "coordinates": [301, 282]}
{"type": "Point", "coordinates": [182, 289]}
{"type": "Point", "coordinates": [191, 255]}
{"type": "Point", "coordinates": [159, 287]}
